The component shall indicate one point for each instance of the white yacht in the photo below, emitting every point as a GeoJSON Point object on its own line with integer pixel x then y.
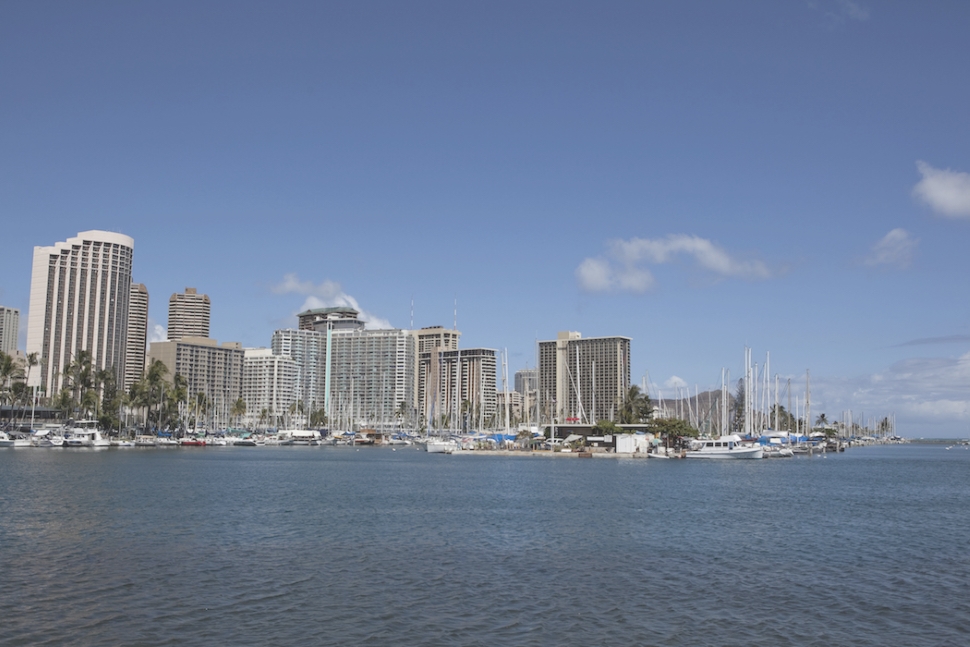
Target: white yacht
{"type": "Point", "coordinates": [5, 440]}
{"type": "Point", "coordinates": [441, 446]}
{"type": "Point", "coordinates": [724, 447]}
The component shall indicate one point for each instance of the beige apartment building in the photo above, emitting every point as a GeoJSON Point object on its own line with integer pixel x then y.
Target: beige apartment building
{"type": "Point", "coordinates": [137, 343]}
{"type": "Point", "coordinates": [583, 380]}
{"type": "Point", "coordinates": [209, 368]}
{"type": "Point", "coordinates": [188, 315]}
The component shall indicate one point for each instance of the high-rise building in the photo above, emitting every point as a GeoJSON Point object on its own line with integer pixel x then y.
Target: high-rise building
{"type": "Point", "coordinates": [188, 315]}
{"type": "Point", "coordinates": [9, 329]}
{"type": "Point", "coordinates": [308, 350]}
{"type": "Point", "coordinates": [214, 370]}
{"type": "Point", "coordinates": [137, 334]}
{"type": "Point", "coordinates": [583, 380]}
{"type": "Point", "coordinates": [430, 342]}
{"type": "Point", "coordinates": [457, 387]}
{"type": "Point", "coordinates": [268, 387]}
{"type": "Point", "coordinates": [371, 372]}
{"type": "Point", "coordinates": [79, 292]}
{"type": "Point", "coordinates": [526, 380]}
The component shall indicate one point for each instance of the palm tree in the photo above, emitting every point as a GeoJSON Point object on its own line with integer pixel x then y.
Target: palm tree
{"type": "Point", "coordinates": [238, 410]}
{"type": "Point", "coordinates": [155, 391]}
{"type": "Point", "coordinates": [636, 407]}
{"type": "Point", "coordinates": [78, 378]}
{"type": "Point", "coordinates": [9, 373]}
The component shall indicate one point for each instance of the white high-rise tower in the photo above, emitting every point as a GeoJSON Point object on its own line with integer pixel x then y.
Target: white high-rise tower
{"type": "Point", "coordinates": [79, 292]}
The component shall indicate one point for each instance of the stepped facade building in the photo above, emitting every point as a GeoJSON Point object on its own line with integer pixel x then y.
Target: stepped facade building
{"type": "Point", "coordinates": [79, 292]}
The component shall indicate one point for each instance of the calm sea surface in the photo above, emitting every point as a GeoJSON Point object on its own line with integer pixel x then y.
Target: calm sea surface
{"type": "Point", "coordinates": [336, 546]}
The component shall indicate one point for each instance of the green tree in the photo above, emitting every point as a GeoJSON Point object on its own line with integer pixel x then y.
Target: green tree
{"type": "Point", "coordinates": [672, 428]}
{"type": "Point", "coordinates": [607, 428]}
{"type": "Point", "coordinates": [636, 407]}
{"type": "Point", "coordinates": [238, 410]}
{"type": "Point", "coordinates": [10, 372]}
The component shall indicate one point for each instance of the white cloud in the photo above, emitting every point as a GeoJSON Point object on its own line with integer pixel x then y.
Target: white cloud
{"type": "Point", "coordinates": [895, 248]}
{"type": "Point", "coordinates": [156, 332]}
{"type": "Point", "coordinates": [928, 395]}
{"type": "Point", "coordinates": [674, 382]}
{"type": "Point", "coordinates": [623, 268]}
{"type": "Point", "coordinates": [594, 275]}
{"type": "Point", "coordinates": [328, 294]}
{"type": "Point", "coordinates": [853, 10]}
{"type": "Point", "coordinates": [946, 192]}
{"type": "Point", "coordinates": [838, 12]}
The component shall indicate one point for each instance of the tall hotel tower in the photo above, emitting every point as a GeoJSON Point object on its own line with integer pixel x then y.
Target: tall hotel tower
{"type": "Point", "coordinates": [79, 302]}
{"type": "Point", "coordinates": [9, 328]}
{"type": "Point", "coordinates": [137, 334]}
{"type": "Point", "coordinates": [188, 315]}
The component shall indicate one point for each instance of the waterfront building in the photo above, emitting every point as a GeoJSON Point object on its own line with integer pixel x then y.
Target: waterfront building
{"type": "Point", "coordinates": [188, 315]}
{"type": "Point", "coordinates": [214, 370]}
{"type": "Point", "coordinates": [457, 387]}
{"type": "Point", "coordinates": [583, 380]}
{"type": "Point", "coordinates": [372, 376]}
{"type": "Point", "coordinates": [430, 342]}
{"type": "Point", "coordinates": [269, 388]}
{"type": "Point", "coordinates": [308, 351]}
{"type": "Point", "coordinates": [371, 372]}
{"type": "Point", "coordinates": [9, 329]}
{"type": "Point", "coordinates": [137, 343]}
{"type": "Point", "coordinates": [79, 292]}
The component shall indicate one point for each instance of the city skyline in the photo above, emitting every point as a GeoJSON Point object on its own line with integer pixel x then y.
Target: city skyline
{"type": "Point", "coordinates": [698, 177]}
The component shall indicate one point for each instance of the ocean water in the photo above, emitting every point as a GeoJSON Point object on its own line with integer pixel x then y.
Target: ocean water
{"type": "Point", "coordinates": [337, 546]}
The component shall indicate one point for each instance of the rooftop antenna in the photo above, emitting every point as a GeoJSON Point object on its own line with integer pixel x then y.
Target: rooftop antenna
{"type": "Point", "coordinates": [412, 312]}
{"type": "Point", "coordinates": [456, 313]}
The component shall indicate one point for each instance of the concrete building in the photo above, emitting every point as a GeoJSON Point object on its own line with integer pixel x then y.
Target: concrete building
{"type": "Point", "coordinates": [79, 291]}
{"type": "Point", "coordinates": [188, 315]}
{"type": "Point", "coordinates": [372, 375]}
{"type": "Point", "coordinates": [516, 410]}
{"type": "Point", "coordinates": [456, 387]}
{"type": "Point", "coordinates": [209, 368]}
{"type": "Point", "coordinates": [526, 380]}
{"type": "Point", "coordinates": [430, 342]}
{"type": "Point", "coordinates": [583, 380]}
{"type": "Point", "coordinates": [137, 334]}
{"type": "Point", "coordinates": [269, 385]}
{"type": "Point", "coordinates": [308, 351]}
{"type": "Point", "coordinates": [371, 372]}
{"type": "Point", "coordinates": [9, 329]}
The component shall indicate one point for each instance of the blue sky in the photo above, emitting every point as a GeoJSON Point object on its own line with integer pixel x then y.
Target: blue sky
{"type": "Point", "coordinates": [699, 176]}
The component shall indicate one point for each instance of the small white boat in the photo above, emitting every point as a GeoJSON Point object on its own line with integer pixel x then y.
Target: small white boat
{"type": "Point", "coordinates": [724, 447]}
{"type": "Point", "coordinates": [441, 446]}
{"type": "Point", "coordinates": [41, 439]}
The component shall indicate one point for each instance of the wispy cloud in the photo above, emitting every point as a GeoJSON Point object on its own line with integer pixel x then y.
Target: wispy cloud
{"type": "Point", "coordinates": [895, 248]}
{"type": "Point", "coordinates": [926, 394]}
{"type": "Point", "coordinates": [623, 267]}
{"type": "Point", "coordinates": [947, 192]}
{"type": "Point", "coordinates": [932, 341]}
{"type": "Point", "coordinates": [328, 294]}
{"type": "Point", "coordinates": [838, 12]}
